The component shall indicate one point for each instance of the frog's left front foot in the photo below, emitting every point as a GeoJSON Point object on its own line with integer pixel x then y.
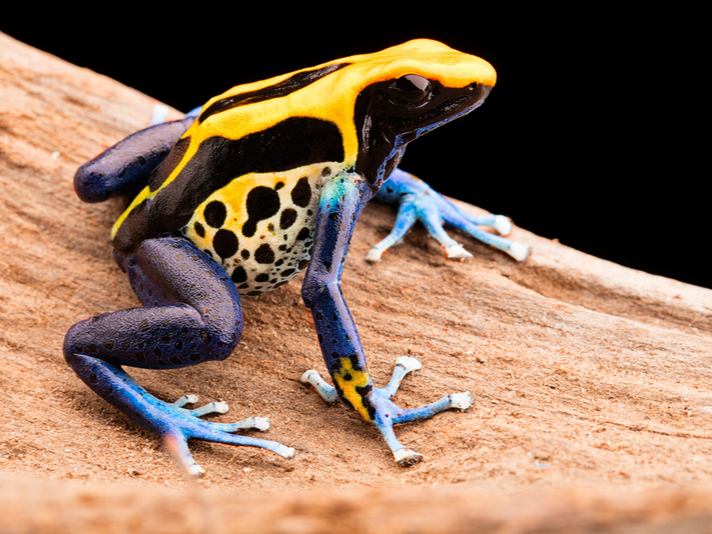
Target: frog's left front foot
{"type": "Point", "coordinates": [419, 202]}
{"type": "Point", "coordinates": [384, 413]}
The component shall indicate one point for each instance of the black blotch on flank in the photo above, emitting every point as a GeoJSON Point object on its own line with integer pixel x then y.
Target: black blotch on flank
{"type": "Point", "coordinates": [225, 243]}
{"type": "Point", "coordinates": [264, 254]}
{"type": "Point", "coordinates": [303, 233]}
{"type": "Point", "coordinates": [245, 254]}
{"type": "Point", "coordinates": [262, 203]}
{"type": "Point", "coordinates": [238, 275]}
{"type": "Point", "coordinates": [264, 277]}
{"type": "Point", "coordinates": [287, 219]}
{"type": "Point", "coordinates": [199, 229]}
{"type": "Point", "coordinates": [215, 214]}
{"type": "Point", "coordinates": [301, 194]}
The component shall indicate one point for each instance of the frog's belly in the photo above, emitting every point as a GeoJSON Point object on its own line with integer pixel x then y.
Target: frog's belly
{"type": "Point", "coordinates": [260, 227]}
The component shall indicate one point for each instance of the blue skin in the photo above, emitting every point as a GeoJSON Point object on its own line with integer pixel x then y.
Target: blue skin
{"type": "Point", "coordinates": [191, 309]}
{"type": "Point", "coordinates": [417, 201]}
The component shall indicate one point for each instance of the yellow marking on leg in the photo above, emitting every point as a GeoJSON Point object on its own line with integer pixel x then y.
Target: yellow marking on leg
{"type": "Point", "coordinates": [348, 379]}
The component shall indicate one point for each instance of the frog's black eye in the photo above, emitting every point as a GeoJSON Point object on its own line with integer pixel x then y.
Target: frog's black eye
{"type": "Point", "coordinates": [410, 90]}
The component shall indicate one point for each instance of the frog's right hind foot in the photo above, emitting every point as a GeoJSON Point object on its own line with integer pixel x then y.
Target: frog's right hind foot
{"type": "Point", "coordinates": [175, 424]}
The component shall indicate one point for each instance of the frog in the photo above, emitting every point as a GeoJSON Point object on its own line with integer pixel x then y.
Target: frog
{"type": "Point", "coordinates": [264, 181]}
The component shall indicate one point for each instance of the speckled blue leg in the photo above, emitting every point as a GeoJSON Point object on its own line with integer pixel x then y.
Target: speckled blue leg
{"type": "Point", "coordinates": [342, 200]}
{"type": "Point", "coordinates": [419, 202]}
{"type": "Point", "coordinates": [191, 314]}
{"type": "Point", "coordinates": [124, 168]}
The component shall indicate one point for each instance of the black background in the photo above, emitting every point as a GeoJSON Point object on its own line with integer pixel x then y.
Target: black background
{"type": "Point", "coordinates": [594, 134]}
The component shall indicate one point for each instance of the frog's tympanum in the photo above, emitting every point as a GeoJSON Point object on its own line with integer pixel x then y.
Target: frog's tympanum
{"type": "Point", "coordinates": [262, 182]}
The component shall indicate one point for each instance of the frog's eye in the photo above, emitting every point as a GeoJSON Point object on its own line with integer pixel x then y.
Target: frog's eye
{"type": "Point", "coordinates": [410, 90]}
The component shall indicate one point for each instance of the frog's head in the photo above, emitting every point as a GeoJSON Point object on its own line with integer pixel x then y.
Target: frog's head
{"type": "Point", "coordinates": [408, 90]}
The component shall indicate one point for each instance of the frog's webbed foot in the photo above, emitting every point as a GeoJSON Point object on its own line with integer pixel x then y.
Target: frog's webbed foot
{"type": "Point", "coordinates": [387, 413]}
{"type": "Point", "coordinates": [183, 424]}
{"type": "Point", "coordinates": [419, 202]}
{"type": "Point", "coordinates": [175, 424]}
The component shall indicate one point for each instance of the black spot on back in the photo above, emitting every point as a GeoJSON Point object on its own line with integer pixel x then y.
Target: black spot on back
{"type": "Point", "coordinates": [262, 203]}
{"type": "Point", "coordinates": [215, 214]}
{"type": "Point", "coordinates": [225, 243]}
{"type": "Point", "coordinates": [264, 254]}
{"type": "Point", "coordinates": [287, 219]}
{"type": "Point", "coordinates": [301, 194]}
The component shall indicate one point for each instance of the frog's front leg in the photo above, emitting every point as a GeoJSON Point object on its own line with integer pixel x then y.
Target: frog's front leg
{"type": "Point", "coordinates": [191, 314]}
{"type": "Point", "coordinates": [417, 201]}
{"type": "Point", "coordinates": [342, 200]}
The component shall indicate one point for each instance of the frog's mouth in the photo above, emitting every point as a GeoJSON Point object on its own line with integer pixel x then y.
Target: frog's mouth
{"type": "Point", "coordinates": [450, 110]}
{"type": "Point", "coordinates": [386, 126]}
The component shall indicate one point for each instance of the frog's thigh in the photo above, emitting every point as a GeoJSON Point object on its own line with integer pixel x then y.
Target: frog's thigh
{"type": "Point", "coordinates": [191, 312]}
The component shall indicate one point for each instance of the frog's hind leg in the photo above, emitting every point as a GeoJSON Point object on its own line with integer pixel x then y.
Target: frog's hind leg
{"type": "Point", "coordinates": [191, 314]}
{"type": "Point", "coordinates": [125, 167]}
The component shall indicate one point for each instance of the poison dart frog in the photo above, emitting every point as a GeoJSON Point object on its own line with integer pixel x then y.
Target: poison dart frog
{"type": "Point", "coordinates": [262, 182]}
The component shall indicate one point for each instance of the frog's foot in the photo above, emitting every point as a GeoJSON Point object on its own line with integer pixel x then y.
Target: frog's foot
{"type": "Point", "coordinates": [419, 202]}
{"type": "Point", "coordinates": [181, 424]}
{"type": "Point", "coordinates": [388, 413]}
{"type": "Point", "coordinates": [175, 424]}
